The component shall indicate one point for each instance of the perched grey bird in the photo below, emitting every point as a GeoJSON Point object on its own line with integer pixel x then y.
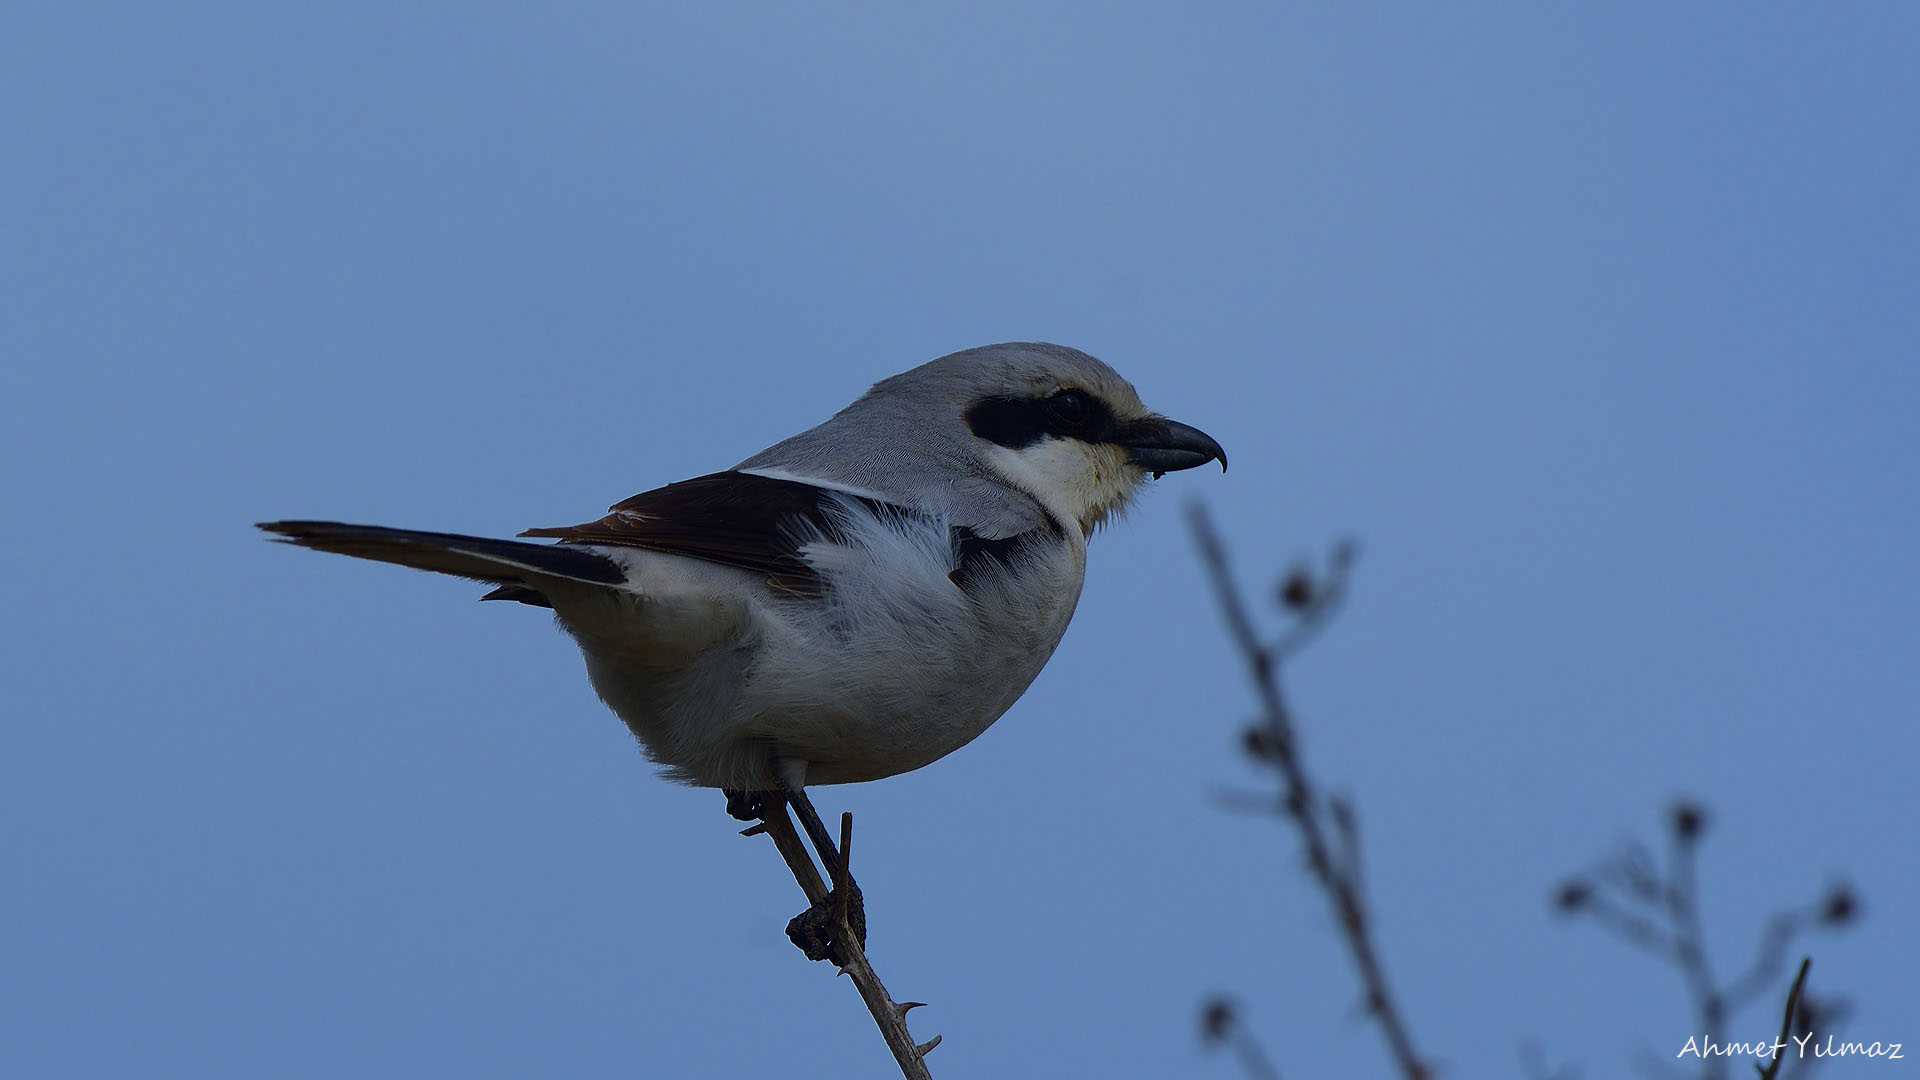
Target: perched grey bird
{"type": "Point", "coordinates": [855, 602]}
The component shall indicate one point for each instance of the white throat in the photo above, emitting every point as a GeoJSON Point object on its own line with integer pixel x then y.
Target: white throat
{"type": "Point", "coordinates": [1079, 482]}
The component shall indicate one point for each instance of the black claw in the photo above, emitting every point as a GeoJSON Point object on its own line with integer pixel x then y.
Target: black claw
{"type": "Point", "coordinates": [813, 930]}
{"type": "Point", "coordinates": [745, 805]}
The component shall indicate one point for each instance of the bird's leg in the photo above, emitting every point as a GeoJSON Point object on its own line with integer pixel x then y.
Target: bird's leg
{"type": "Point", "coordinates": [779, 827]}
{"type": "Point", "coordinates": [817, 930]}
{"type": "Point", "coordinates": [816, 829]}
{"type": "Point", "coordinates": [814, 929]}
{"type": "Point", "coordinates": [791, 775]}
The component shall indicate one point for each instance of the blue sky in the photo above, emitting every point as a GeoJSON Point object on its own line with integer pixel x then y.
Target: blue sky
{"type": "Point", "coordinates": [1596, 327]}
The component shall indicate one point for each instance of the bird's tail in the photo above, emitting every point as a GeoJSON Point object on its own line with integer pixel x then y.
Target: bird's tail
{"type": "Point", "coordinates": [519, 568]}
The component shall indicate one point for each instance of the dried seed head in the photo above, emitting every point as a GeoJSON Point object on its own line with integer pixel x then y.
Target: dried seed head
{"type": "Point", "coordinates": [1573, 896]}
{"type": "Point", "coordinates": [1689, 821]}
{"type": "Point", "coordinates": [1215, 1018]}
{"type": "Point", "coordinates": [1259, 743]}
{"type": "Point", "coordinates": [1840, 907]}
{"type": "Point", "coordinates": [1296, 590]}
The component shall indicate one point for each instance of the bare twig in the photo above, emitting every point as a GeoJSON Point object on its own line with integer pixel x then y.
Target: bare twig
{"type": "Point", "coordinates": [1272, 741]}
{"type": "Point", "coordinates": [1220, 1024]}
{"type": "Point", "coordinates": [889, 1015]}
{"type": "Point", "coordinates": [1659, 912]}
{"type": "Point", "coordinates": [1772, 1069]}
{"type": "Point", "coordinates": [1768, 957]}
{"type": "Point", "coordinates": [1689, 953]}
{"type": "Point", "coordinates": [1634, 929]}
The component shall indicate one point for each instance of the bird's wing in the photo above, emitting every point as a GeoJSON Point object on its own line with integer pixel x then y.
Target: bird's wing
{"type": "Point", "coordinates": [740, 519]}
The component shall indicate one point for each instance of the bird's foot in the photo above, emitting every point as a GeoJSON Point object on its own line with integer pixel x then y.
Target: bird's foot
{"type": "Point", "coordinates": [746, 805]}
{"type": "Point", "coordinates": [816, 929]}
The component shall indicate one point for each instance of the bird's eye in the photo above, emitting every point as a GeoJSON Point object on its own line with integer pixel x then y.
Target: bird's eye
{"type": "Point", "coordinates": [1069, 408]}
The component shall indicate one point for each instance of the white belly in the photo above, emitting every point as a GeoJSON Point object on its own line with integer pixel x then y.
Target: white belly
{"type": "Point", "coordinates": [718, 675]}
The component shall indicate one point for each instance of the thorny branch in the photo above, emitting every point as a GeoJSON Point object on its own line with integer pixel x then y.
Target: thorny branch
{"type": "Point", "coordinates": [891, 1016]}
{"type": "Point", "coordinates": [1658, 912]}
{"type": "Point", "coordinates": [1332, 860]}
{"type": "Point", "coordinates": [1629, 896]}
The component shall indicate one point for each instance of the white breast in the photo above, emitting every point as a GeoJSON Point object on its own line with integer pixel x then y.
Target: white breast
{"type": "Point", "coordinates": [894, 668]}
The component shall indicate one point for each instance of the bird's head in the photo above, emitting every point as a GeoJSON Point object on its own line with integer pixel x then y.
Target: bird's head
{"type": "Point", "coordinates": [1063, 426]}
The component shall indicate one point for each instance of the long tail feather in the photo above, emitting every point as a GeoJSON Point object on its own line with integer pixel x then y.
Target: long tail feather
{"type": "Point", "coordinates": [511, 563]}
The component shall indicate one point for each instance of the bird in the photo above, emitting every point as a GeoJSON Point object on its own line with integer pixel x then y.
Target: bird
{"type": "Point", "coordinates": [851, 603]}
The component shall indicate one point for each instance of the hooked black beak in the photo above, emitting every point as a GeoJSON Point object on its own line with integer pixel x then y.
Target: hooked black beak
{"type": "Point", "coordinates": [1162, 446]}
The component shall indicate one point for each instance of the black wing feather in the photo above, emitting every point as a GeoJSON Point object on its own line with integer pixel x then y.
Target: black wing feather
{"type": "Point", "coordinates": [732, 518]}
